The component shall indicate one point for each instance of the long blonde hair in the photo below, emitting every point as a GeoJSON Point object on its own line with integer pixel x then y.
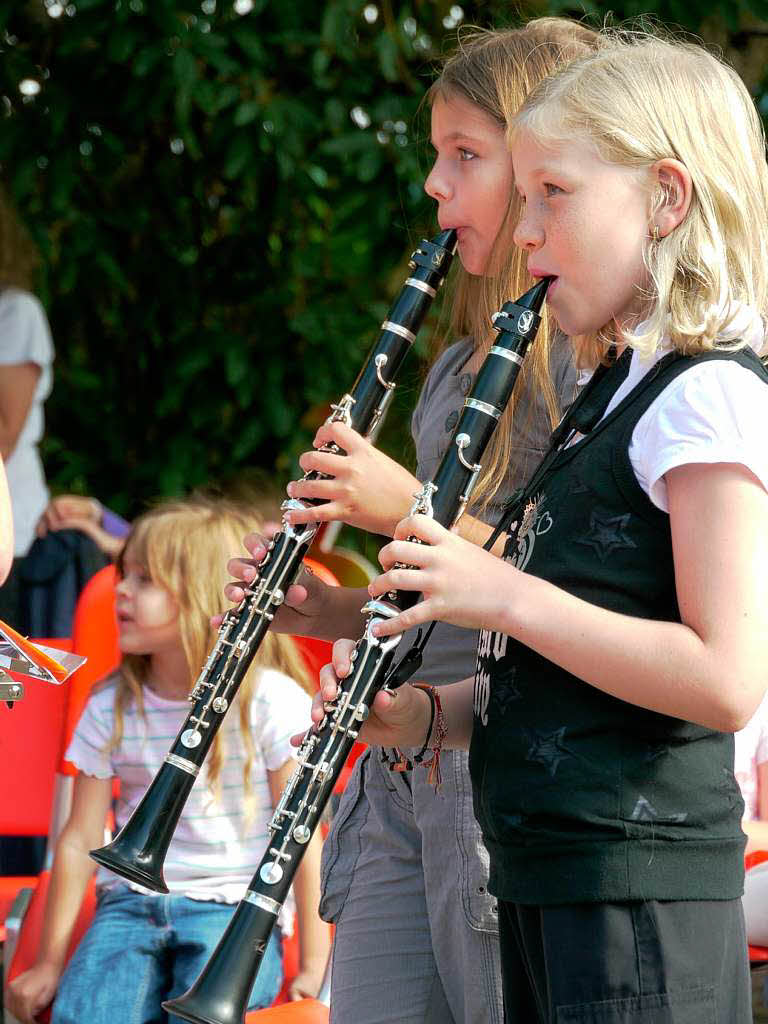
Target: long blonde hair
{"type": "Point", "coordinates": [184, 546]}
{"type": "Point", "coordinates": [495, 69]}
{"type": "Point", "coordinates": [642, 98]}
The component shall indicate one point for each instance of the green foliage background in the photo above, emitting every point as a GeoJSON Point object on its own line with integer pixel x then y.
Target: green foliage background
{"type": "Point", "coordinates": [220, 237]}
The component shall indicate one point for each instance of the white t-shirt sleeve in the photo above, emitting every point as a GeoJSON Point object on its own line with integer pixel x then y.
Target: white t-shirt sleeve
{"type": "Point", "coordinates": [714, 412]}
{"type": "Point", "coordinates": [87, 748]}
{"type": "Point", "coordinates": [279, 710]}
{"type": "Point", "coordinates": [25, 336]}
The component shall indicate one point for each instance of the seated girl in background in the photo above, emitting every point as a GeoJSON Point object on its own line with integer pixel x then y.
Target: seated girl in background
{"type": "Point", "coordinates": [142, 948]}
{"type": "Point", "coordinates": [623, 632]}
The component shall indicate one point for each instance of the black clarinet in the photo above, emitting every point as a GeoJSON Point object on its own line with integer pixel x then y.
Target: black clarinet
{"type": "Point", "coordinates": [220, 994]}
{"type": "Point", "coordinates": [138, 851]}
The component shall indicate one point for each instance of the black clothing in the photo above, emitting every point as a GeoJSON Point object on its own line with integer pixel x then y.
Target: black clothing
{"type": "Point", "coordinates": [38, 599]}
{"type": "Point", "coordinates": [631, 963]}
{"type": "Point", "coordinates": [582, 796]}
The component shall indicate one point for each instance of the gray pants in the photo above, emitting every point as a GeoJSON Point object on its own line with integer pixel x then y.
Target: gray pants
{"type": "Point", "coordinates": [405, 879]}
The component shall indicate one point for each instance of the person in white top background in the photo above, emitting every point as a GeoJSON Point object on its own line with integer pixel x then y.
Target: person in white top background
{"type": "Point", "coordinates": [142, 948]}
{"type": "Point", "coordinates": [26, 357]}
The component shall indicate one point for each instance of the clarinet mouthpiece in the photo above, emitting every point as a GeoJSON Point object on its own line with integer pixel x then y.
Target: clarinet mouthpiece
{"type": "Point", "coordinates": [446, 239]}
{"type": "Point", "coordinates": [533, 299]}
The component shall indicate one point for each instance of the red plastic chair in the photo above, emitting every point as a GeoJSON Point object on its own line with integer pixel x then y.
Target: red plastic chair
{"type": "Point", "coordinates": [305, 1011]}
{"type": "Point", "coordinates": [25, 950]}
{"type": "Point", "coordinates": [47, 802]}
{"type": "Point", "coordinates": [94, 634]}
{"type": "Point", "coordinates": [30, 752]}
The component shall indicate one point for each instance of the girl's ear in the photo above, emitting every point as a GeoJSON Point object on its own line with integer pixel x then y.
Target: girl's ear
{"type": "Point", "coordinates": [674, 183]}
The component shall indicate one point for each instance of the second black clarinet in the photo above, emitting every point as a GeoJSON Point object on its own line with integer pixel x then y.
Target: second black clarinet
{"type": "Point", "coordinates": [220, 994]}
{"type": "Point", "coordinates": [138, 852]}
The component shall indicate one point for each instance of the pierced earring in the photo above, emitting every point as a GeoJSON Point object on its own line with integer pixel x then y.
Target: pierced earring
{"type": "Point", "coordinates": [655, 234]}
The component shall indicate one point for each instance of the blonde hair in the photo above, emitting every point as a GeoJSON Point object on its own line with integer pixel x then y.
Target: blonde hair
{"type": "Point", "coordinates": [495, 69]}
{"type": "Point", "coordinates": [184, 546]}
{"type": "Point", "coordinates": [640, 99]}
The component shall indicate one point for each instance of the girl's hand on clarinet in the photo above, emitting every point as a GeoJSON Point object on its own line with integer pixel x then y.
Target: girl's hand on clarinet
{"type": "Point", "coordinates": [367, 489]}
{"type": "Point", "coordinates": [398, 718]}
{"type": "Point", "coordinates": [302, 599]}
{"type": "Point", "coordinates": [460, 582]}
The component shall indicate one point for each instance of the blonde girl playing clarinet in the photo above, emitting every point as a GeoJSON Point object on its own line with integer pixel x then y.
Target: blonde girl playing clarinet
{"type": "Point", "coordinates": [623, 634]}
{"type": "Point", "coordinates": [143, 947]}
{"type": "Point", "coordinates": [405, 874]}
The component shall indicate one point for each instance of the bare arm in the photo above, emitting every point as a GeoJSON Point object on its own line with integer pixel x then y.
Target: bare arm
{"type": "Point", "coordinates": [400, 718]}
{"type": "Point", "coordinates": [311, 608]}
{"type": "Point", "coordinates": [366, 488]}
{"type": "Point", "coordinates": [710, 668]}
{"type": "Point", "coordinates": [33, 990]}
{"type": "Point", "coordinates": [17, 389]}
{"type": "Point", "coordinates": [314, 934]}
{"type": "Point", "coordinates": [75, 512]}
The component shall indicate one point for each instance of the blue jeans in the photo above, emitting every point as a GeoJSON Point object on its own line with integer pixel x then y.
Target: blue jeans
{"type": "Point", "coordinates": [141, 949]}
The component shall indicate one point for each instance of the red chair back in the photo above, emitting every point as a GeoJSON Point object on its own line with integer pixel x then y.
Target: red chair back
{"type": "Point", "coordinates": [31, 742]}
{"type": "Point", "coordinates": [94, 634]}
{"type": "Point", "coordinates": [31, 745]}
{"type": "Point", "coordinates": [305, 1011]}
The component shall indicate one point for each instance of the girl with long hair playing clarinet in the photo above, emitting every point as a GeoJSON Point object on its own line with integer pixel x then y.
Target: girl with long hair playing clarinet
{"type": "Point", "coordinates": [144, 947]}
{"type": "Point", "coordinates": [405, 874]}
{"type": "Point", "coordinates": [623, 633]}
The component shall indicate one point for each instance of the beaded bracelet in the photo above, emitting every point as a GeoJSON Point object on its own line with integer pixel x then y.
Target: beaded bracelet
{"type": "Point", "coordinates": [434, 776]}
{"type": "Point", "coordinates": [431, 693]}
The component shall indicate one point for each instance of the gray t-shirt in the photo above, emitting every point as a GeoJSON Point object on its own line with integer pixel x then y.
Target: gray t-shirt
{"type": "Point", "coordinates": [451, 651]}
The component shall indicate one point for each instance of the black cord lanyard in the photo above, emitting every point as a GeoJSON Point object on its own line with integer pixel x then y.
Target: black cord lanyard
{"type": "Point", "coordinates": [581, 417]}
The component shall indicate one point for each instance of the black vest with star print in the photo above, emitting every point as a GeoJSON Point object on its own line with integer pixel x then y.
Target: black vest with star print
{"type": "Point", "coordinates": [583, 797]}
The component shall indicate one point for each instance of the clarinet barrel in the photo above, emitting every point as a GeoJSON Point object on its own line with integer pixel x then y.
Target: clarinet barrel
{"type": "Point", "coordinates": [138, 851]}
{"type": "Point", "coordinates": [220, 994]}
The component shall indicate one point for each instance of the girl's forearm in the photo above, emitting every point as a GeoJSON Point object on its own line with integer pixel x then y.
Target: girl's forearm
{"type": "Point", "coordinates": [663, 666]}
{"type": "Point", "coordinates": [71, 872]}
{"type": "Point", "coordinates": [456, 701]}
{"type": "Point", "coordinates": [478, 532]}
{"type": "Point", "coordinates": [341, 615]}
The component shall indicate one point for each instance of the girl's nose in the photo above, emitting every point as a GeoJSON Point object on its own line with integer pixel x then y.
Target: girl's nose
{"type": "Point", "coordinates": [121, 586]}
{"type": "Point", "coordinates": [437, 185]}
{"type": "Point", "coordinates": [527, 235]}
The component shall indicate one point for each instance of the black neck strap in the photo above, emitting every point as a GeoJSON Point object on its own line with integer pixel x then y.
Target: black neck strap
{"type": "Point", "coordinates": [581, 417]}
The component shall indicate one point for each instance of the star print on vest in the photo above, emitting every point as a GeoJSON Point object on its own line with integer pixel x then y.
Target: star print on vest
{"type": "Point", "coordinates": [607, 534]}
{"type": "Point", "coordinates": [547, 749]}
{"type": "Point", "coordinates": [504, 692]}
{"type": "Point", "coordinates": [645, 811]}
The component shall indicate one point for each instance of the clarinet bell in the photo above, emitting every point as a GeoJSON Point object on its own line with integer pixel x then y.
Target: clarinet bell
{"type": "Point", "coordinates": [133, 861]}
